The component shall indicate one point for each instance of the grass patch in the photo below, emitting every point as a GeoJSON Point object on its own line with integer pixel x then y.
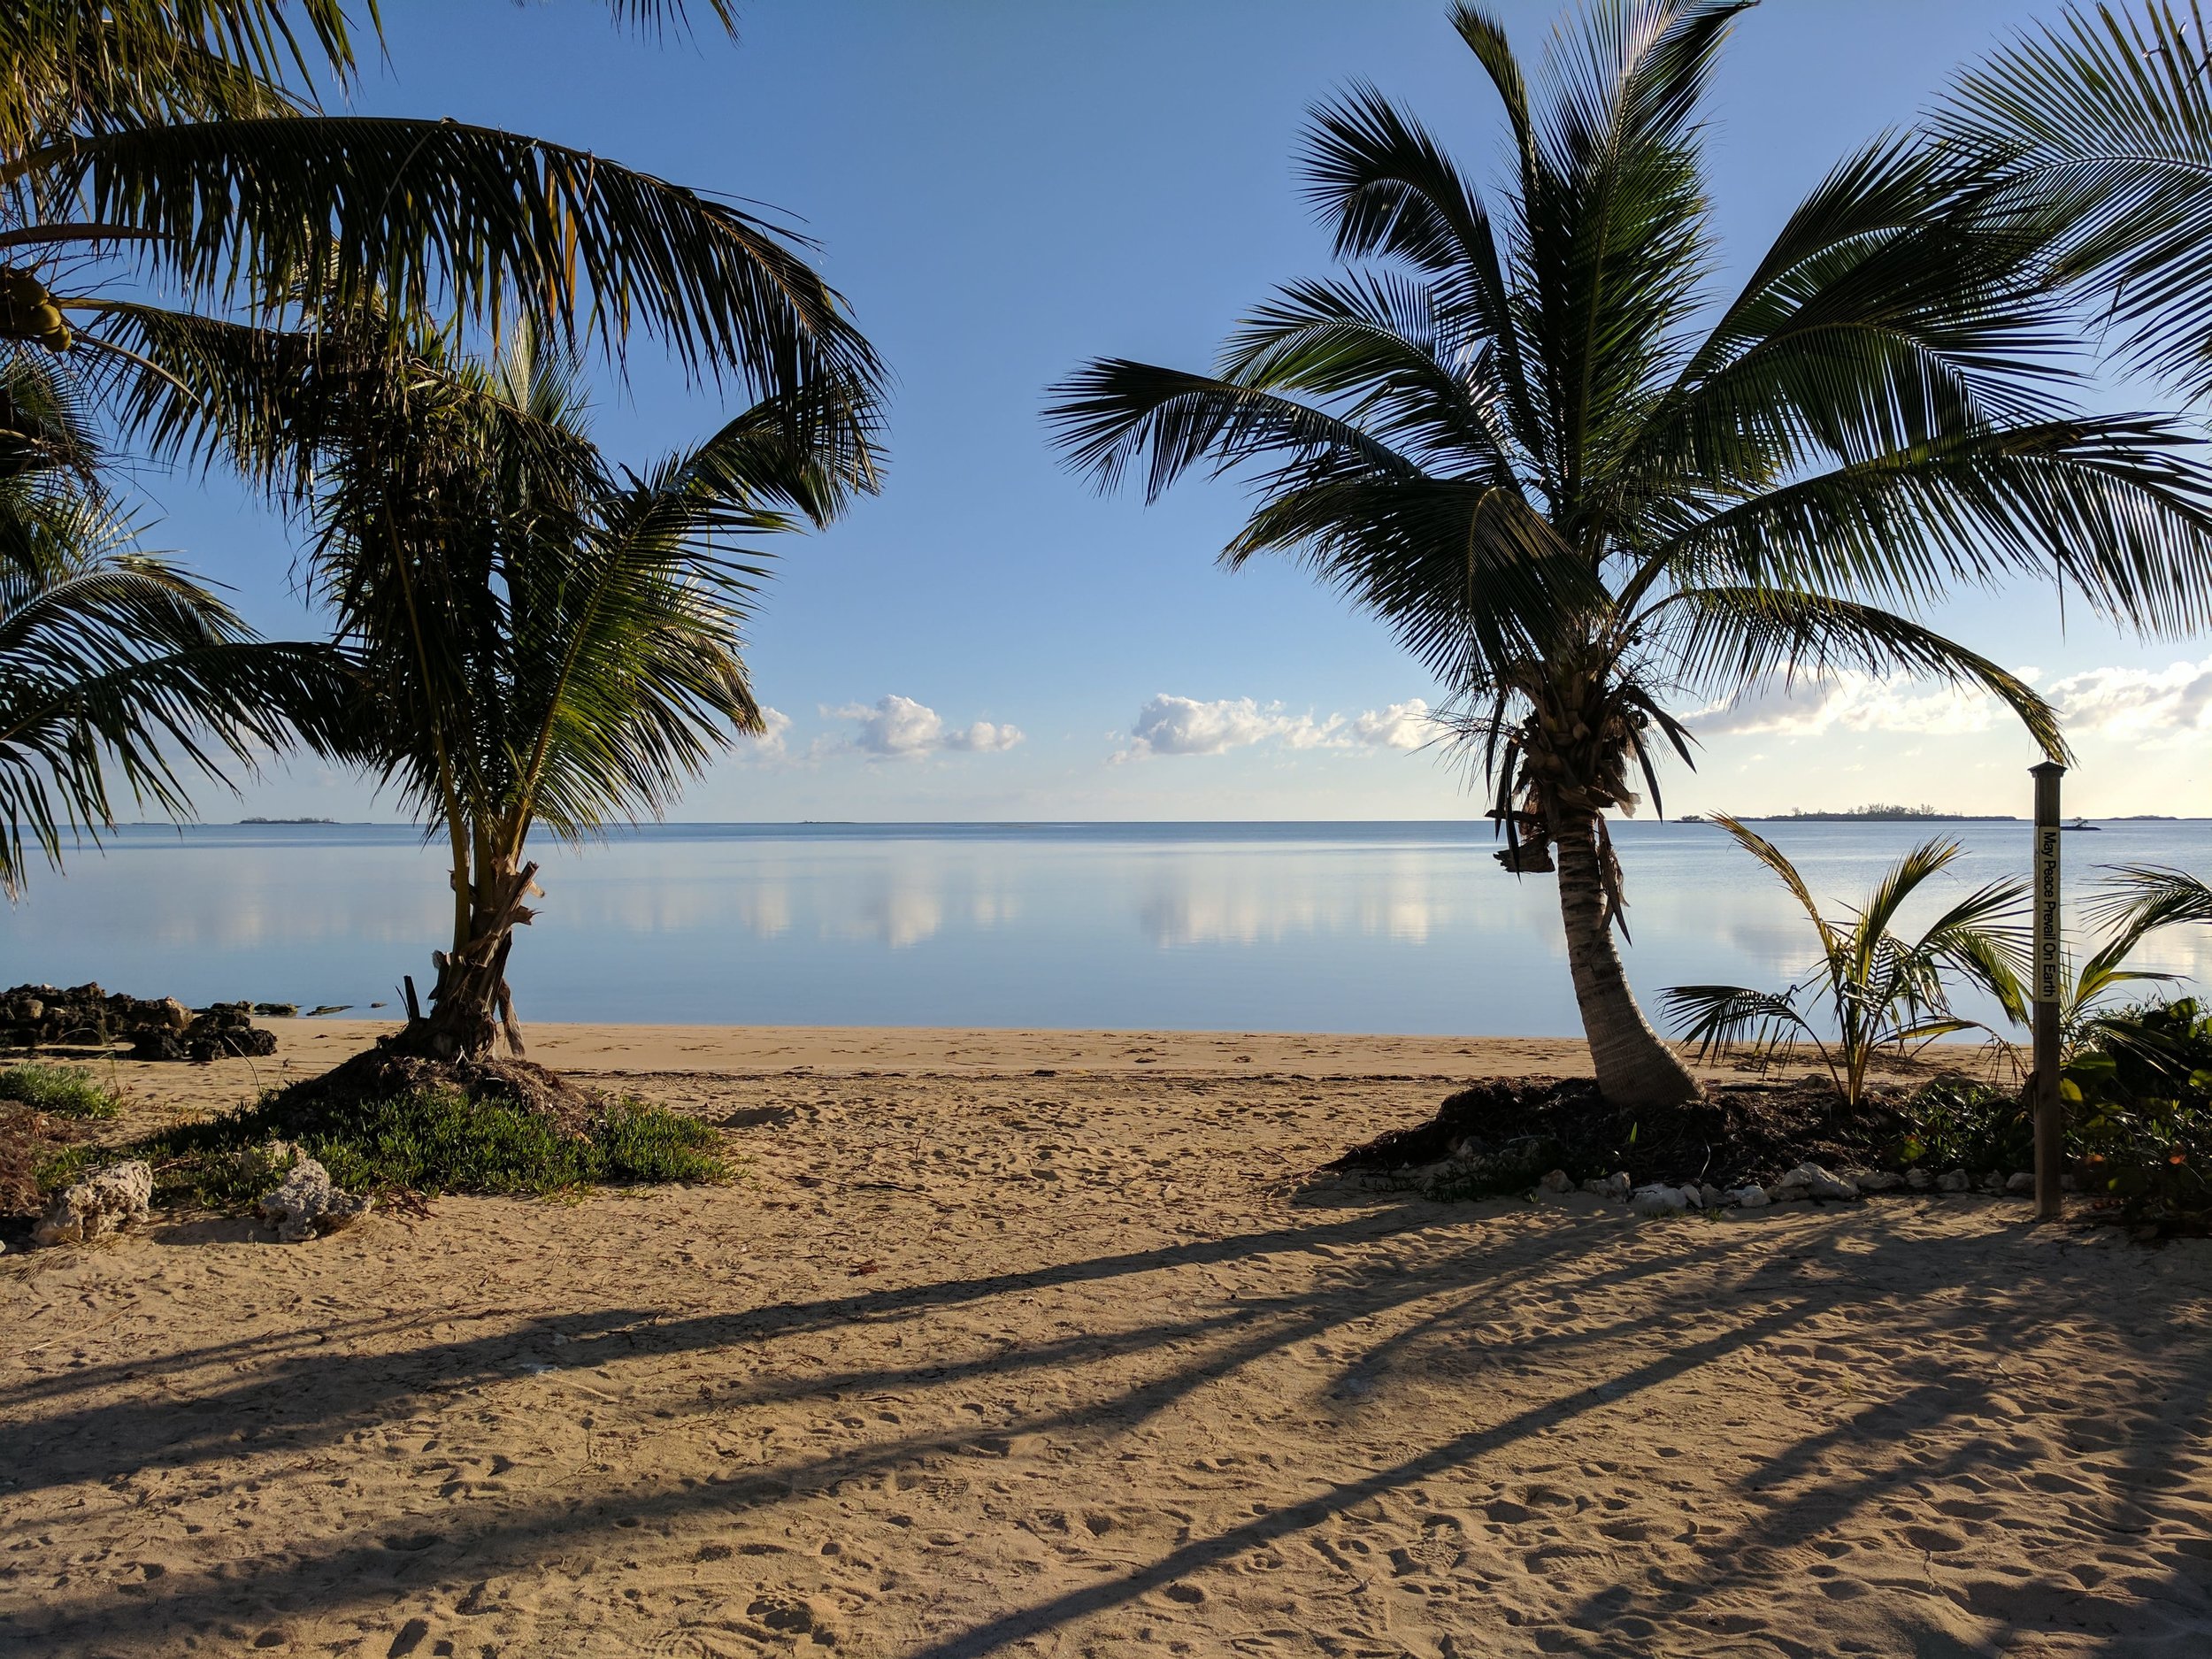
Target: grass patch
{"type": "Point", "coordinates": [70, 1165]}
{"type": "Point", "coordinates": [64, 1090]}
{"type": "Point", "coordinates": [428, 1141]}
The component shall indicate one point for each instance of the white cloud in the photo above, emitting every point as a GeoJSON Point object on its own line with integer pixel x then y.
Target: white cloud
{"type": "Point", "coordinates": [1852, 701]}
{"type": "Point", "coordinates": [899, 728]}
{"type": "Point", "coordinates": [1186, 726]}
{"type": "Point", "coordinates": [1183, 726]}
{"type": "Point", "coordinates": [2150, 705]}
{"type": "Point", "coordinates": [769, 743]}
{"type": "Point", "coordinates": [1407, 724]}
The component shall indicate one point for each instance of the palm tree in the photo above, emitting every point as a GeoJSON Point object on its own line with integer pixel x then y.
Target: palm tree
{"type": "Point", "coordinates": [152, 145]}
{"type": "Point", "coordinates": [1588, 492]}
{"type": "Point", "coordinates": [2086, 1015]}
{"type": "Point", "coordinates": [1882, 990]}
{"type": "Point", "coordinates": [112, 662]}
{"type": "Point", "coordinates": [549, 641]}
{"type": "Point", "coordinates": [147, 146]}
{"type": "Point", "coordinates": [2103, 123]}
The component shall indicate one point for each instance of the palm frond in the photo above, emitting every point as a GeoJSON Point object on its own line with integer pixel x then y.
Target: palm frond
{"type": "Point", "coordinates": [1772, 857]}
{"type": "Point", "coordinates": [1718, 1017]}
{"type": "Point", "coordinates": [1387, 188]}
{"type": "Point", "coordinates": [2114, 509]}
{"type": "Point", "coordinates": [656, 17]}
{"type": "Point", "coordinates": [1984, 936]}
{"type": "Point", "coordinates": [2099, 122]}
{"type": "Point", "coordinates": [112, 660]}
{"type": "Point", "coordinates": [441, 219]}
{"type": "Point", "coordinates": [1881, 319]}
{"type": "Point", "coordinates": [1746, 637]}
{"type": "Point", "coordinates": [1460, 569]}
{"type": "Point", "coordinates": [1894, 886]}
{"type": "Point", "coordinates": [2137, 898]}
{"type": "Point", "coordinates": [105, 65]}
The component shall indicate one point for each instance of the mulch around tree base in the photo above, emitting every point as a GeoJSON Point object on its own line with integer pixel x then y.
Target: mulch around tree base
{"type": "Point", "coordinates": [379, 1074]}
{"type": "Point", "coordinates": [28, 1138]}
{"type": "Point", "coordinates": [1737, 1134]}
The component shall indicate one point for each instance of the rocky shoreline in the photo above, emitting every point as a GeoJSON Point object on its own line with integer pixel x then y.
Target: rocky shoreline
{"type": "Point", "coordinates": [157, 1028]}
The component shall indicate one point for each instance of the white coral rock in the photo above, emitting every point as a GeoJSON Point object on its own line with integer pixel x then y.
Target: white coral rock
{"type": "Point", "coordinates": [105, 1202]}
{"type": "Point", "coordinates": [1809, 1181]}
{"type": "Point", "coordinates": [306, 1204]}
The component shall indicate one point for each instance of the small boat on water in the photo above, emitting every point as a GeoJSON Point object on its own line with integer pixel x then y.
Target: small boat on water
{"type": "Point", "coordinates": [2084, 823]}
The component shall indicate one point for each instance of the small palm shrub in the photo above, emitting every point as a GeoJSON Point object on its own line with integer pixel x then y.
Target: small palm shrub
{"type": "Point", "coordinates": [2139, 1098]}
{"type": "Point", "coordinates": [1961, 1123]}
{"type": "Point", "coordinates": [1871, 988]}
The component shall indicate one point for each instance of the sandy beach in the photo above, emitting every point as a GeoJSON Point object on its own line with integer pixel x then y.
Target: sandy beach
{"type": "Point", "coordinates": [1057, 1344]}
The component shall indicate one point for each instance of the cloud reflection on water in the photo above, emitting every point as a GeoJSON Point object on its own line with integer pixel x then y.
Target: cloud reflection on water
{"type": "Point", "coordinates": [1348, 927]}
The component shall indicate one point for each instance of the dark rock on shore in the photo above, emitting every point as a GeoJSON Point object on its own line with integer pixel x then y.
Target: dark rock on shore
{"type": "Point", "coordinates": [43, 1016]}
{"type": "Point", "coordinates": [218, 1032]}
{"type": "Point", "coordinates": [157, 1028]}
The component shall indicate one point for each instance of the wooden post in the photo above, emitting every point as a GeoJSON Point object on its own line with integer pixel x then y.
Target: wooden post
{"type": "Point", "coordinates": [2049, 990]}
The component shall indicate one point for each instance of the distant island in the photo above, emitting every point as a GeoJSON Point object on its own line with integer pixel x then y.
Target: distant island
{"type": "Point", "coordinates": [286, 820]}
{"type": "Point", "coordinates": [1886, 814]}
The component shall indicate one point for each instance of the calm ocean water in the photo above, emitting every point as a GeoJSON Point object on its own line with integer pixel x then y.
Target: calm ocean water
{"type": "Point", "coordinates": [1350, 928]}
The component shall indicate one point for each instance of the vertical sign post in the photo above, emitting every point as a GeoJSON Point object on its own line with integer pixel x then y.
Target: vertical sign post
{"type": "Point", "coordinates": [2049, 990]}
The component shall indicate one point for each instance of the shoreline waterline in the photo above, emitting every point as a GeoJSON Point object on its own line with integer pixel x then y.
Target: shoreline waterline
{"type": "Point", "coordinates": [615, 1049]}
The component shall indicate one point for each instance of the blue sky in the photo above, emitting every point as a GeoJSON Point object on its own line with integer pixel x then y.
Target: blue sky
{"type": "Point", "coordinates": [1004, 188]}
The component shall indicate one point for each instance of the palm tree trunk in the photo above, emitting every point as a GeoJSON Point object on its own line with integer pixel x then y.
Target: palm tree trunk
{"type": "Point", "coordinates": [1635, 1069]}
{"type": "Point", "coordinates": [471, 1002]}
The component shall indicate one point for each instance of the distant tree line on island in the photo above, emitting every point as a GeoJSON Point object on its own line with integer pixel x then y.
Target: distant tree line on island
{"type": "Point", "coordinates": [1880, 812]}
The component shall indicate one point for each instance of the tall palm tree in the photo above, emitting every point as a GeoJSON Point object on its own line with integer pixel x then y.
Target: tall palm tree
{"type": "Point", "coordinates": [113, 665]}
{"type": "Point", "coordinates": [549, 641]}
{"type": "Point", "coordinates": [1590, 493]}
{"type": "Point", "coordinates": [2101, 121]}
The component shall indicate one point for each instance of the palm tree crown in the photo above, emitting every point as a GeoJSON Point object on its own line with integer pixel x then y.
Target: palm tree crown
{"type": "Point", "coordinates": [185, 142]}
{"type": "Point", "coordinates": [1587, 490]}
{"type": "Point", "coordinates": [547, 640]}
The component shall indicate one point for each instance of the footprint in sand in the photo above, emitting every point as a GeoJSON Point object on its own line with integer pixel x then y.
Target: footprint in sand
{"type": "Point", "coordinates": [1932, 1541]}
{"type": "Point", "coordinates": [790, 1615]}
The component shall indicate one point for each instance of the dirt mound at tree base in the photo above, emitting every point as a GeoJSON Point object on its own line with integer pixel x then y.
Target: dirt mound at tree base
{"type": "Point", "coordinates": [379, 1074]}
{"type": "Point", "coordinates": [1737, 1134]}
